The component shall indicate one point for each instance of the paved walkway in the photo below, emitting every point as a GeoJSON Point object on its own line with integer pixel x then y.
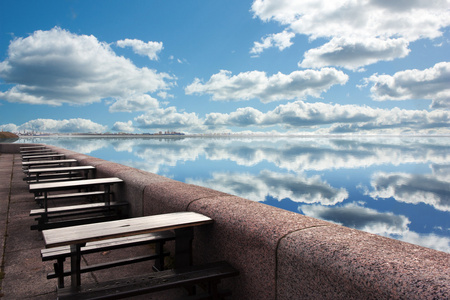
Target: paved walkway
{"type": "Point", "coordinates": [23, 273]}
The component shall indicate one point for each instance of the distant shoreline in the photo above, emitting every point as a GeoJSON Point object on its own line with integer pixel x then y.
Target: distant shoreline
{"type": "Point", "coordinates": [232, 135]}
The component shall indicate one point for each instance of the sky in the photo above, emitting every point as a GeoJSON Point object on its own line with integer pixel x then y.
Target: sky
{"type": "Point", "coordinates": [227, 66]}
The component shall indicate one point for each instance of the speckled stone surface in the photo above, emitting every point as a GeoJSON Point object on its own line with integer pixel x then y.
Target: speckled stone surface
{"type": "Point", "coordinates": [336, 262]}
{"type": "Point", "coordinates": [164, 197]}
{"type": "Point", "coordinates": [246, 234]}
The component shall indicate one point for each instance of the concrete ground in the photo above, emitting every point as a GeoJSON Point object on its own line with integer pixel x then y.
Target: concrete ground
{"type": "Point", "coordinates": [23, 273]}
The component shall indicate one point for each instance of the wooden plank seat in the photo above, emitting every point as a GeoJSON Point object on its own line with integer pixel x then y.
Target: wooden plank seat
{"type": "Point", "coordinates": [208, 274]}
{"type": "Point", "coordinates": [32, 147]}
{"type": "Point", "coordinates": [37, 152]}
{"type": "Point", "coordinates": [45, 156]}
{"type": "Point", "coordinates": [54, 177]}
{"type": "Point", "coordinates": [49, 187]}
{"type": "Point", "coordinates": [72, 195]}
{"type": "Point", "coordinates": [34, 175]}
{"type": "Point", "coordinates": [48, 163]}
{"type": "Point", "coordinates": [71, 215]}
{"type": "Point", "coordinates": [61, 253]}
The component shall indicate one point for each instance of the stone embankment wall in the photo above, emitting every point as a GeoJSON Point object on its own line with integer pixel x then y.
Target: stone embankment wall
{"type": "Point", "coordinates": [281, 254]}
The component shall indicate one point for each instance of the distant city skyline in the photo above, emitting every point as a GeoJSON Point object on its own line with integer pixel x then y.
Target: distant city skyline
{"type": "Point", "coordinates": [262, 66]}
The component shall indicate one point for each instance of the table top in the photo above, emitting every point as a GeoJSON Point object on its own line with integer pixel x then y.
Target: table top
{"type": "Point", "coordinates": [121, 228]}
{"type": "Point", "coordinates": [60, 169]}
{"type": "Point", "coordinates": [60, 185]}
{"type": "Point", "coordinates": [44, 162]}
{"type": "Point", "coordinates": [32, 147]}
{"type": "Point", "coordinates": [42, 156]}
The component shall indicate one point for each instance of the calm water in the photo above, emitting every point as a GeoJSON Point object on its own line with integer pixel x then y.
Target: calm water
{"type": "Point", "coordinates": [395, 187]}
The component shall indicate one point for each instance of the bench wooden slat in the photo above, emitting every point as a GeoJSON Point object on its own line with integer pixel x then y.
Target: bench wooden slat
{"type": "Point", "coordinates": [111, 244]}
{"type": "Point", "coordinates": [121, 228]}
{"type": "Point", "coordinates": [107, 265]}
{"type": "Point", "coordinates": [46, 155]}
{"type": "Point", "coordinates": [38, 187]}
{"type": "Point", "coordinates": [71, 195]}
{"type": "Point", "coordinates": [59, 169]}
{"type": "Point", "coordinates": [54, 179]}
{"type": "Point", "coordinates": [116, 289]}
{"type": "Point", "coordinates": [72, 208]}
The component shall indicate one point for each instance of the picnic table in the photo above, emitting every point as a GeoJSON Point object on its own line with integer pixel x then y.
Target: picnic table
{"type": "Point", "coordinates": [42, 156]}
{"type": "Point", "coordinates": [32, 147]}
{"type": "Point", "coordinates": [110, 210]}
{"type": "Point", "coordinates": [77, 236]}
{"type": "Point", "coordinates": [59, 162]}
{"type": "Point", "coordinates": [45, 188]}
{"type": "Point", "coordinates": [48, 173]}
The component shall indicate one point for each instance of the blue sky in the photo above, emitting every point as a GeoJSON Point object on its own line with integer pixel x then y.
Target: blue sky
{"type": "Point", "coordinates": [310, 66]}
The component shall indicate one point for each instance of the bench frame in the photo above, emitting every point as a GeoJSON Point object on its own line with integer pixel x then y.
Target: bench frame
{"type": "Point", "coordinates": [208, 275]}
{"type": "Point", "coordinates": [61, 253]}
{"type": "Point", "coordinates": [78, 214]}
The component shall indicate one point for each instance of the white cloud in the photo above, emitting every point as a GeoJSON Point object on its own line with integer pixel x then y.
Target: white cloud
{"type": "Point", "coordinates": [360, 22]}
{"type": "Point", "coordinates": [169, 119]}
{"type": "Point", "coordinates": [431, 84]}
{"type": "Point", "coordinates": [352, 53]}
{"type": "Point", "coordinates": [355, 216]}
{"type": "Point", "coordinates": [9, 127]}
{"type": "Point", "coordinates": [150, 49]}
{"type": "Point", "coordinates": [123, 126]}
{"type": "Point", "coordinates": [62, 126]}
{"type": "Point", "coordinates": [55, 67]}
{"type": "Point", "coordinates": [412, 188]}
{"type": "Point", "coordinates": [381, 223]}
{"type": "Point", "coordinates": [280, 40]}
{"type": "Point", "coordinates": [140, 102]}
{"type": "Point", "coordinates": [257, 85]}
{"type": "Point", "coordinates": [296, 187]}
{"type": "Point", "coordinates": [330, 18]}
{"type": "Point", "coordinates": [343, 118]}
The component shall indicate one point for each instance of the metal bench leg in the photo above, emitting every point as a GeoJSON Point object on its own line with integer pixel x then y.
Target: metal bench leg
{"type": "Point", "coordinates": [159, 262]}
{"type": "Point", "coordinates": [75, 262]}
{"type": "Point", "coordinates": [59, 271]}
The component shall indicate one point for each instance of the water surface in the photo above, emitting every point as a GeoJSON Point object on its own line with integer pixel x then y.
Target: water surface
{"type": "Point", "coordinates": [394, 187]}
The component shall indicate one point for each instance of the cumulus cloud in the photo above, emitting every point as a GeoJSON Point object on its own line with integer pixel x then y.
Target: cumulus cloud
{"type": "Point", "coordinates": [257, 85]}
{"type": "Point", "coordinates": [412, 188]}
{"type": "Point", "coordinates": [345, 118]}
{"type": "Point", "coordinates": [355, 25]}
{"type": "Point", "coordinates": [280, 40]}
{"type": "Point", "coordinates": [123, 126]}
{"type": "Point", "coordinates": [149, 49]}
{"type": "Point", "coordinates": [381, 223]}
{"type": "Point", "coordinates": [9, 127]}
{"type": "Point", "coordinates": [55, 67]}
{"type": "Point", "coordinates": [431, 84]}
{"type": "Point", "coordinates": [352, 53]}
{"type": "Point", "coordinates": [140, 102]}
{"type": "Point", "coordinates": [62, 126]}
{"type": "Point", "coordinates": [169, 118]}
{"type": "Point", "coordinates": [355, 216]}
{"type": "Point", "coordinates": [296, 187]}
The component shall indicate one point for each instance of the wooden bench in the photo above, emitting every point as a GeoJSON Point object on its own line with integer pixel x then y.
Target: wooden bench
{"type": "Point", "coordinates": [32, 147]}
{"type": "Point", "coordinates": [45, 188]}
{"type": "Point", "coordinates": [43, 156]}
{"type": "Point", "coordinates": [50, 163]}
{"type": "Point", "coordinates": [109, 211]}
{"type": "Point", "coordinates": [208, 274]}
{"type": "Point", "coordinates": [76, 237]}
{"type": "Point", "coordinates": [37, 152]}
{"type": "Point", "coordinates": [61, 253]}
{"type": "Point", "coordinates": [63, 216]}
{"type": "Point", "coordinates": [36, 175]}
